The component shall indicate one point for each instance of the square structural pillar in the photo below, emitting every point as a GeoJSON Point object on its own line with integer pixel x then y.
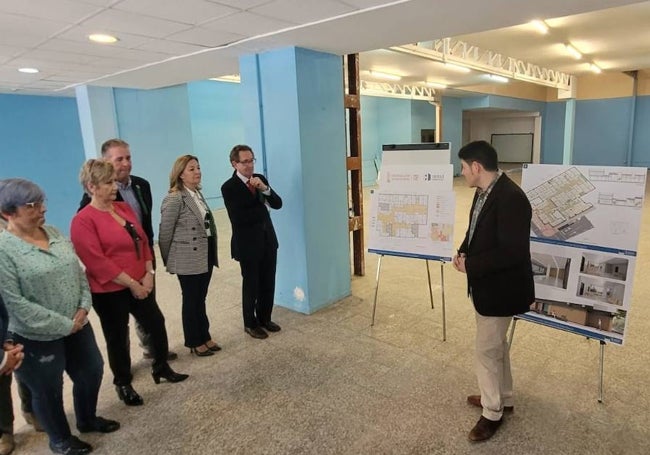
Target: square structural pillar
{"type": "Point", "coordinates": [97, 117]}
{"type": "Point", "coordinates": [294, 119]}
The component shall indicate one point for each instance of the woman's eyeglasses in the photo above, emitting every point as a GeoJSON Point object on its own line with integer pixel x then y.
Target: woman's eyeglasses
{"type": "Point", "coordinates": [35, 205]}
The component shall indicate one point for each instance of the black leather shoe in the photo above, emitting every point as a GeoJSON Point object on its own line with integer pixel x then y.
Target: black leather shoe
{"type": "Point", "coordinates": [484, 429]}
{"type": "Point", "coordinates": [168, 374]}
{"type": "Point", "coordinates": [100, 425]}
{"type": "Point", "coordinates": [73, 446]}
{"type": "Point", "coordinates": [170, 355]}
{"type": "Point", "coordinates": [256, 332]}
{"type": "Point", "coordinates": [271, 326]}
{"type": "Point", "coordinates": [129, 396]}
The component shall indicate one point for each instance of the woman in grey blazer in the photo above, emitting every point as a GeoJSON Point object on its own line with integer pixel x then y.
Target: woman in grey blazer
{"type": "Point", "coordinates": [188, 245]}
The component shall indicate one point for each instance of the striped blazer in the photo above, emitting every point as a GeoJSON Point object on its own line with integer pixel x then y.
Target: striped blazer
{"type": "Point", "coordinates": [182, 238]}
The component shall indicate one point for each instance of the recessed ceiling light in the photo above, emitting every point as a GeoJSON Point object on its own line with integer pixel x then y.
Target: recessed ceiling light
{"type": "Point", "coordinates": [540, 26]}
{"type": "Point", "coordinates": [28, 70]}
{"type": "Point", "coordinates": [380, 75]}
{"type": "Point", "coordinates": [103, 39]}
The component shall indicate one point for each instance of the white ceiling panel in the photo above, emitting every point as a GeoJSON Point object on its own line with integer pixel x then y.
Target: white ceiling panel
{"type": "Point", "coordinates": [365, 3]}
{"type": "Point", "coordinates": [188, 11]}
{"type": "Point", "coordinates": [65, 11]}
{"type": "Point", "coordinates": [241, 4]}
{"type": "Point", "coordinates": [123, 21]}
{"type": "Point", "coordinates": [170, 47]}
{"type": "Point", "coordinates": [12, 25]}
{"type": "Point", "coordinates": [40, 55]}
{"type": "Point", "coordinates": [128, 40]}
{"type": "Point", "coordinates": [302, 11]}
{"type": "Point", "coordinates": [204, 37]}
{"type": "Point", "coordinates": [247, 24]}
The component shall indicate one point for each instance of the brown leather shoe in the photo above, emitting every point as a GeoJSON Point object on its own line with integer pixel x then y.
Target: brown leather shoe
{"type": "Point", "coordinates": [475, 400]}
{"type": "Point", "coordinates": [484, 429]}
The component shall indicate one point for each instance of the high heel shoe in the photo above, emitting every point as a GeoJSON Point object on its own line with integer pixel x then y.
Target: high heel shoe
{"type": "Point", "coordinates": [129, 396]}
{"type": "Point", "coordinates": [214, 348]}
{"type": "Point", "coordinates": [206, 353]}
{"type": "Point", "coordinates": [168, 374]}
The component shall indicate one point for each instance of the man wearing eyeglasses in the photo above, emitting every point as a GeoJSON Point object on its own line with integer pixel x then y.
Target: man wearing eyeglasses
{"type": "Point", "coordinates": [248, 199]}
{"type": "Point", "coordinates": [136, 191]}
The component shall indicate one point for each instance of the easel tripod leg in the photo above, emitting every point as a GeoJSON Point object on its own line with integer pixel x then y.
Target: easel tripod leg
{"type": "Point", "coordinates": [444, 315]}
{"type": "Point", "coordinates": [429, 278]}
{"type": "Point", "coordinates": [374, 305]}
{"type": "Point", "coordinates": [602, 368]}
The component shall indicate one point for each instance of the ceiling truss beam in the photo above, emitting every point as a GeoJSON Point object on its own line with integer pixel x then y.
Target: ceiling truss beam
{"type": "Point", "coordinates": [448, 50]}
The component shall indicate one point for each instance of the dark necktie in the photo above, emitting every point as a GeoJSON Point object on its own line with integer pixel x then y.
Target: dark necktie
{"type": "Point", "coordinates": [251, 188]}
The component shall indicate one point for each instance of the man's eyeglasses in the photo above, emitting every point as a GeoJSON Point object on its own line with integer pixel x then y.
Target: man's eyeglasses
{"type": "Point", "coordinates": [248, 161]}
{"type": "Point", "coordinates": [35, 205]}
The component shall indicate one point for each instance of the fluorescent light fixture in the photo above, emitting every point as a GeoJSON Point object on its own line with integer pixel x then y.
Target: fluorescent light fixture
{"type": "Point", "coordinates": [454, 67]}
{"type": "Point", "coordinates": [540, 26]}
{"type": "Point", "coordinates": [28, 70]}
{"type": "Point", "coordinates": [102, 38]}
{"type": "Point", "coordinates": [227, 78]}
{"type": "Point", "coordinates": [435, 84]}
{"type": "Point", "coordinates": [573, 51]}
{"type": "Point", "coordinates": [595, 68]}
{"type": "Point", "coordinates": [380, 75]}
{"type": "Point", "coordinates": [497, 78]}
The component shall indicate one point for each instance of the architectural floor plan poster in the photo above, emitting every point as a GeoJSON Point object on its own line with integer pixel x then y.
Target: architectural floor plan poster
{"type": "Point", "coordinates": [412, 212]}
{"type": "Point", "coordinates": [584, 237]}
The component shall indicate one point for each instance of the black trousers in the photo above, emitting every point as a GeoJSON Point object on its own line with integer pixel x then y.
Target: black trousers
{"type": "Point", "coordinates": [258, 287]}
{"type": "Point", "coordinates": [196, 326]}
{"type": "Point", "coordinates": [113, 309]}
{"type": "Point", "coordinates": [7, 405]}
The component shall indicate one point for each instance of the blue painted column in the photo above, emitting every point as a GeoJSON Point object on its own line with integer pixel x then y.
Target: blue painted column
{"type": "Point", "coordinates": [292, 104]}
{"type": "Point", "coordinates": [97, 117]}
{"type": "Point", "coordinates": [452, 128]}
{"type": "Point", "coordinates": [569, 127]}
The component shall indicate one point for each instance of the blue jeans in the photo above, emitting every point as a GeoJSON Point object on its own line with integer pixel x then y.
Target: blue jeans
{"type": "Point", "coordinates": [42, 373]}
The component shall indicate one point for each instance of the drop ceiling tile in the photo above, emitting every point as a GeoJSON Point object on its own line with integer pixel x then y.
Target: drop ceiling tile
{"type": "Point", "coordinates": [247, 24]}
{"type": "Point", "coordinates": [136, 24]}
{"type": "Point", "coordinates": [241, 4]}
{"type": "Point", "coordinates": [170, 47]}
{"type": "Point", "coordinates": [204, 37]}
{"type": "Point", "coordinates": [127, 40]}
{"type": "Point", "coordinates": [12, 25]}
{"type": "Point", "coordinates": [303, 11]}
{"type": "Point", "coordinates": [362, 4]}
{"type": "Point", "coordinates": [188, 11]}
{"type": "Point", "coordinates": [62, 10]}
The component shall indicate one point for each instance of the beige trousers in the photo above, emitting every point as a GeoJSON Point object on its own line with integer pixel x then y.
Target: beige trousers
{"type": "Point", "coordinates": [493, 364]}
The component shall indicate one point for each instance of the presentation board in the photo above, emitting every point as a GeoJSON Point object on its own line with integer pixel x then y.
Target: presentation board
{"type": "Point", "coordinates": [412, 211]}
{"type": "Point", "coordinates": [584, 236]}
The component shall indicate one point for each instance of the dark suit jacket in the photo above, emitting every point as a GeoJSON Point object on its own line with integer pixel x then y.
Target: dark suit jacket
{"type": "Point", "coordinates": [252, 228]}
{"type": "Point", "coordinates": [499, 271]}
{"type": "Point", "coordinates": [142, 191]}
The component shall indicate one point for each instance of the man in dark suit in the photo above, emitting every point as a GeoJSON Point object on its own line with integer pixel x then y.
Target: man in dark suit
{"type": "Point", "coordinates": [495, 255]}
{"type": "Point", "coordinates": [248, 199]}
{"type": "Point", "coordinates": [136, 191]}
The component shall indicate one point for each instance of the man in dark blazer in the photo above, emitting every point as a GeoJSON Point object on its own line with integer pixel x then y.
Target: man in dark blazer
{"type": "Point", "coordinates": [248, 199]}
{"type": "Point", "coordinates": [137, 192]}
{"type": "Point", "coordinates": [495, 255]}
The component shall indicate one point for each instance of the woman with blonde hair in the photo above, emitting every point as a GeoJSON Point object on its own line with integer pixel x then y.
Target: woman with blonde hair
{"type": "Point", "coordinates": [188, 245]}
{"type": "Point", "coordinates": [115, 250]}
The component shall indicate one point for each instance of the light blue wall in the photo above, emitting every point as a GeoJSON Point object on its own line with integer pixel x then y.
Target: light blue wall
{"type": "Point", "coordinates": [41, 141]}
{"type": "Point", "coordinates": [390, 121]}
{"type": "Point", "coordinates": [553, 133]}
{"type": "Point", "coordinates": [452, 127]}
{"type": "Point", "coordinates": [217, 125]}
{"type": "Point", "coordinates": [303, 138]}
{"type": "Point", "coordinates": [601, 131]}
{"type": "Point", "coordinates": [641, 138]}
{"type": "Point", "coordinates": [156, 124]}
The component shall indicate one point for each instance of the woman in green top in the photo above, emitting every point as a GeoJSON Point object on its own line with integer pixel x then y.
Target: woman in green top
{"type": "Point", "coordinates": [47, 298]}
